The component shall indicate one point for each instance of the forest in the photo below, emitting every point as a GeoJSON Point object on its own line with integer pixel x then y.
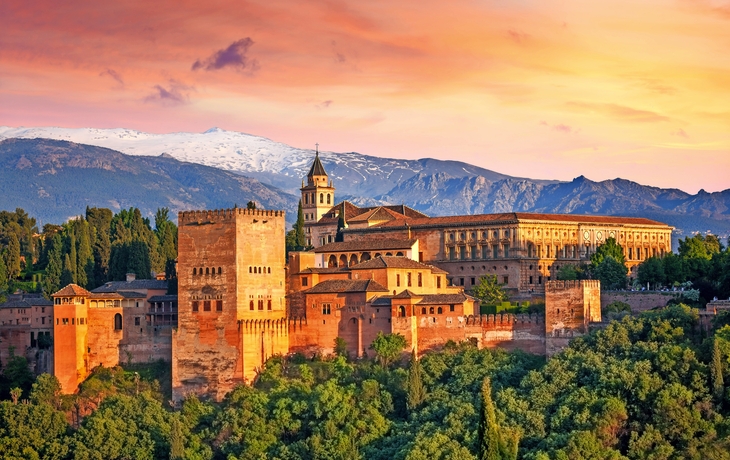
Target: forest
{"type": "Point", "coordinates": [87, 250]}
{"type": "Point", "coordinates": [646, 387]}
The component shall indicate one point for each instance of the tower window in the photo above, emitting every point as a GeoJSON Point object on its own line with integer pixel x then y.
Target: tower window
{"type": "Point", "coordinates": [321, 197]}
{"type": "Point", "coordinates": [118, 322]}
{"type": "Point", "coordinates": [268, 304]}
{"type": "Point", "coordinates": [206, 305]}
{"type": "Point", "coordinates": [328, 198]}
{"type": "Point", "coordinates": [250, 305]}
{"type": "Point", "coordinates": [195, 305]}
{"type": "Point", "coordinates": [218, 305]}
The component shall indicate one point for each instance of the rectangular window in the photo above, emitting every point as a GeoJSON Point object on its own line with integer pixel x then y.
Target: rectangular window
{"type": "Point", "coordinates": [206, 305]}
{"type": "Point", "coordinates": [495, 251]}
{"type": "Point", "coordinates": [420, 256]}
{"type": "Point", "coordinates": [452, 253]}
{"type": "Point", "coordinates": [268, 304]}
{"type": "Point", "coordinates": [397, 280]}
{"type": "Point", "coordinates": [530, 282]}
{"type": "Point", "coordinates": [420, 279]}
{"type": "Point", "coordinates": [506, 250]}
{"type": "Point", "coordinates": [65, 321]}
{"type": "Point", "coordinates": [505, 279]}
{"type": "Point", "coordinates": [461, 281]}
{"type": "Point", "coordinates": [261, 304]}
{"type": "Point", "coordinates": [72, 321]}
{"type": "Point", "coordinates": [485, 252]}
{"type": "Point", "coordinates": [136, 321]}
{"type": "Point", "coordinates": [473, 252]}
{"type": "Point", "coordinates": [195, 305]}
{"type": "Point", "coordinates": [218, 305]}
{"type": "Point", "coordinates": [473, 281]}
{"type": "Point", "coordinates": [462, 253]}
{"type": "Point", "coordinates": [82, 321]}
{"type": "Point", "coordinates": [408, 276]}
{"type": "Point", "coordinates": [43, 320]}
{"type": "Point", "coordinates": [305, 281]}
{"type": "Point", "coordinates": [326, 308]}
{"type": "Point", "coordinates": [438, 282]}
{"type": "Point", "coordinates": [451, 308]}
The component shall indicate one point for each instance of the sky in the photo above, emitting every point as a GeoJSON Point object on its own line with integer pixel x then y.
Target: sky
{"type": "Point", "coordinates": [637, 89]}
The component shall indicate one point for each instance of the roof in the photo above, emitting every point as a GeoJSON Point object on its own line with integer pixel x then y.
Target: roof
{"type": "Point", "coordinates": [515, 217]}
{"type": "Point", "coordinates": [395, 262]}
{"type": "Point", "coordinates": [407, 294]}
{"type": "Point", "coordinates": [162, 298]}
{"type": "Point", "coordinates": [106, 296]}
{"type": "Point", "coordinates": [27, 303]}
{"type": "Point", "coordinates": [317, 169]}
{"type": "Point", "coordinates": [324, 270]}
{"type": "Point", "coordinates": [382, 301]}
{"type": "Point", "coordinates": [330, 286]}
{"type": "Point", "coordinates": [352, 212]}
{"type": "Point", "coordinates": [132, 295]}
{"type": "Point", "coordinates": [381, 244]}
{"type": "Point", "coordinates": [135, 285]}
{"type": "Point", "coordinates": [72, 290]}
{"type": "Point", "coordinates": [442, 299]}
{"type": "Point", "coordinates": [379, 213]}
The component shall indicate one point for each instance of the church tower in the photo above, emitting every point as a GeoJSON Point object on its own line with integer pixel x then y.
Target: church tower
{"type": "Point", "coordinates": [318, 195]}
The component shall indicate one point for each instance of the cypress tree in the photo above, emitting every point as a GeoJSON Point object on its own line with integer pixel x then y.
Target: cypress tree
{"type": "Point", "coordinates": [52, 279]}
{"type": "Point", "coordinates": [490, 441]}
{"type": "Point", "coordinates": [73, 256]}
{"type": "Point", "coordinates": [3, 276]}
{"type": "Point", "coordinates": [718, 383]}
{"type": "Point", "coordinates": [177, 440]}
{"type": "Point", "coordinates": [299, 238]}
{"type": "Point", "coordinates": [67, 275]}
{"type": "Point", "coordinates": [416, 389]}
{"type": "Point", "coordinates": [85, 260]}
{"type": "Point", "coordinates": [12, 257]}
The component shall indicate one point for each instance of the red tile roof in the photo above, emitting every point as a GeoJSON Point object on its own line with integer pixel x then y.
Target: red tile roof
{"type": "Point", "coordinates": [72, 290]}
{"type": "Point", "coordinates": [381, 244]}
{"type": "Point", "coordinates": [334, 286]}
{"type": "Point", "coordinates": [395, 262]}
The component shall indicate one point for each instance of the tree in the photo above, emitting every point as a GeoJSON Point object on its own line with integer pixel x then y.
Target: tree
{"type": "Point", "coordinates": [651, 271]}
{"type": "Point", "coordinates": [67, 275]}
{"type": "Point", "coordinates": [568, 273]}
{"type": "Point", "coordinates": [299, 238]}
{"type": "Point", "coordinates": [340, 347]}
{"type": "Point", "coordinates": [3, 275]}
{"type": "Point", "coordinates": [54, 270]}
{"type": "Point", "coordinates": [388, 347]}
{"type": "Point", "coordinates": [489, 291]}
{"type": "Point", "coordinates": [416, 388]}
{"type": "Point", "coordinates": [46, 390]}
{"type": "Point", "coordinates": [12, 257]}
{"type": "Point", "coordinates": [609, 248]}
{"type": "Point", "coordinates": [612, 273]}
{"type": "Point", "coordinates": [341, 225]}
{"type": "Point", "coordinates": [492, 446]}
{"type": "Point", "coordinates": [251, 205]}
{"type": "Point", "coordinates": [716, 371]}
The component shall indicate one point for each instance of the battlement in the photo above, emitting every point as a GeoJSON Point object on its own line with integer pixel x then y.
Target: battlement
{"type": "Point", "coordinates": [218, 215]}
{"type": "Point", "coordinates": [504, 318]}
{"type": "Point", "coordinates": [571, 284]}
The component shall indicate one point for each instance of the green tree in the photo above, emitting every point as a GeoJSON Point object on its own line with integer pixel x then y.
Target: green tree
{"type": "Point", "coordinates": [388, 347]}
{"type": "Point", "coordinates": [416, 388]}
{"type": "Point", "coordinates": [299, 238]}
{"type": "Point", "coordinates": [612, 273]}
{"type": "Point", "coordinates": [651, 271]}
{"type": "Point", "coordinates": [492, 446]}
{"type": "Point", "coordinates": [12, 256]}
{"type": "Point", "coordinates": [52, 279]}
{"type": "Point", "coordinates": [568, 273]}
{"type": "Point", "coordinates": [251, 205]}
{"type": "Point", "coordinates": [3, 275]}
{"type": "Point", "coordinates": [46, 390]}
{"type": "Point", "coordinates": [340, 347]}
{"type": "Point", "coordinates": [716, 373]}
{"type": "Point", "coordinates": [489, 291]}
{"type": "Point", "coordinates": [609, 248]}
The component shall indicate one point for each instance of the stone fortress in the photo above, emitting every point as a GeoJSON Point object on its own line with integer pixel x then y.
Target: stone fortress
{"type": "Point", "coordinates": [395, 270]}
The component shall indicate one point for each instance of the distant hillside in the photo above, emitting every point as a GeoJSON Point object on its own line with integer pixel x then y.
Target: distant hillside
{"type": "Point", "coordinates": [54, 180]}
{"type": "Point", "coordinates": [432, 186]}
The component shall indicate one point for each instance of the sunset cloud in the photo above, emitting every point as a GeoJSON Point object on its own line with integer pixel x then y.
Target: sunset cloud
{"type": "Point", "coordinates": [234, 56]}
{"type": "Point", "coordinates": [176, 93]}
{"type": "Point", "coordinates": [619, 112]}
{"type": "Point", "coordinates": [113, 74]}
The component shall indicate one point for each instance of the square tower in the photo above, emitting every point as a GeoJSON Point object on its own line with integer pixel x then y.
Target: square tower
{"type": "Point", "coordinates": [231, 299]}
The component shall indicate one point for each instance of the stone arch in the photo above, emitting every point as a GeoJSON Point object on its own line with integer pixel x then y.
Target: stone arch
{"type": "Point", "coordinates": [365, 257]}
{"type": "Point", "coordinates": [343, 261]}
{"type": "Point", "coordinates": [328, 198]}
{"type": "Point", "coordinates": [117, 322]}
{"type": "Point", "coordinates": [353, 260]}
{"type": "Point", "coordinates": [332, 261]}
{"type": "Point", "coordinates": [401, 311]}
{"type": "Point", "coordinates": [399, 254]}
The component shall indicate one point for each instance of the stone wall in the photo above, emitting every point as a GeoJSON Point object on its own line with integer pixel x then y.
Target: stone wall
{"type": "Point", "coordinates": [639, 300]}
{"type": "Point", "coordinates": [569, 307]}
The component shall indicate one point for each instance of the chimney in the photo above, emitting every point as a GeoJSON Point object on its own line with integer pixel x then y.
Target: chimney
{"type": "Point", "coordinates": [131, 277]}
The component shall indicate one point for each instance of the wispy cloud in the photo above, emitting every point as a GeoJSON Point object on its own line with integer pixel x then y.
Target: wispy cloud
{"type": "Point", "coordinates": [680, 133]}
{"type": "Point", "coordinates": [561, 127]}
{"type": "Point", "coordinates": [233, 56]}
{"type": "Point", "coordinates": [175, 93]}
{"type": "Point", "coordinates": [324, 104]}
{"type": "Point", "coordinates": [619, 112]}
{"type": "Point", "coordinates": [112, 73]}
{"type": "Point", "coordinates": [517, 36]}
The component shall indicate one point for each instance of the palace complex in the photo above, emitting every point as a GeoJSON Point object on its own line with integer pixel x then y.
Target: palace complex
{"type": "Point", "coordinates": [386, 269]}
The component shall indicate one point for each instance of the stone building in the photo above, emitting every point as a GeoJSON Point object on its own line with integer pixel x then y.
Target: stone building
{"type": "Point", "coordinates": [524, 250]}
{"type": "Point", "coordinates": [231, 299]}
{"type": "Point", "coordinates": [26, 329]}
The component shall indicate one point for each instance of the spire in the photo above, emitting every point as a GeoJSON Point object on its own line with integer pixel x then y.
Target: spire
{"type": "Point", "coordinates": [317, 169]}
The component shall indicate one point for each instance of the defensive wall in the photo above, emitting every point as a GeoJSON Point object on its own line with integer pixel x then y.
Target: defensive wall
{"type": "Point", "coordinates": [639, 301]}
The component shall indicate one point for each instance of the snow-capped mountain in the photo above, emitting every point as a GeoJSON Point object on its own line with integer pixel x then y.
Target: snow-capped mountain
{"type": "Point", "coordinates": [268, 161]}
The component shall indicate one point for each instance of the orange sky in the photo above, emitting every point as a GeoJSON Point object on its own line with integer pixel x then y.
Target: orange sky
{"type": "Point", "coordinates": [542, 89]}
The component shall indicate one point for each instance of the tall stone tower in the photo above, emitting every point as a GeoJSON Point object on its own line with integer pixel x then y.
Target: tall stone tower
{"type": "Point", "coordinates": [231, 289]}
{"type": "Point", "coordinates": [318, 195]}
{"type": "Point", "coordinates": [70, 328]}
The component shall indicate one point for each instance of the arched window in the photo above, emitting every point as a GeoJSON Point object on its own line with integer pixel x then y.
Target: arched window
{"type": "Point", "coordinates": [440, 310]}
{"type": "Point", "coordinates": [328, 198]}
{"type": "Point", "coordinates": [207, 271]}
{"type": "Point", "coordinates": [200, 271]}
{"type": "Point", "coordinates": [430, 310]}
{"type": "Point", "coordinates": [250, 305]}
{"type": "Point", "coordinates": [268, 306]}
{"type": "Point", "coordinates": [195, 271]}
{"type": "Point", "coordinates": [269, 269]}
{"type": "Point", "coordinates": [423, 310]}
{"type": "Point", "coordinates": [306, 198]}
{"type": "Point", "coordinates": [261, 304]}
{"type": "Point", "coordinates": [402, 311]}
{"type": "Point", "coordinates": [118, 322]}
{"type": "Point", "coordinates": [321, 197]}
{"type": "Point", "coordinates": [220, 270]}
{"type": "Point", "coordinates": [250, 269]}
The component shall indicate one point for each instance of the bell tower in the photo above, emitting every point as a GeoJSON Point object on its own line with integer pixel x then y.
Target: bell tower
{"type": "Point", "coordinates": [318, 195]}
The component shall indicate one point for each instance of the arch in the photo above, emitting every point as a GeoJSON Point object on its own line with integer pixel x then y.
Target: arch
{"type": "Point", "coordinates": [401, 311]}
{"type": "Point", "coordinates": [440, 310]}
{"type": "Point", "coordinates": [207, 270]}
{"type": "Point", "coordinates": [365, 257]}
{"type": "Point", "coordinates": [399, 254]}
{"type": "Point", "coordinates": [321, 197]}
{"type": "Point", "coordinates": [328, 198]}
{"type": "Point", "coordinates": [430, 311]}
{"type": "Point", "coordinates": [195, 271]}
{"type": "Point", "coordinates": [353, 260]}
{"type": "Point", "coordinates": [423, 310]}
{"type": "Point", "coordinates": [332, 261]}
{"type": "Point", "coordinates": [377, 254]}
{"type": "Point", "coordinates": [118, 322]}
{"type": "Point", "coordinates": [343, 261]}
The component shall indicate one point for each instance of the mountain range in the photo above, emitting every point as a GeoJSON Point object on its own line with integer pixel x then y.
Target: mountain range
{"type": "Point", "coordinates": [432, 186]}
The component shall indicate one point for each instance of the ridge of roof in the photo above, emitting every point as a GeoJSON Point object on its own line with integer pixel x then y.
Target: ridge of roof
{"type": "Point", "coordinates": [72, 290]}
{"type": "Point", "coordinates": [317, 169]}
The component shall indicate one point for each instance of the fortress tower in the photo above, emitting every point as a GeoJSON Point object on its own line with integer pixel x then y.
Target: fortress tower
{"type": "Point", "coordinates": [318, 195]}
{"type": "Point", "coordinates": [70, 328]}
{"type": "Point", "coordinates": [231, 306]}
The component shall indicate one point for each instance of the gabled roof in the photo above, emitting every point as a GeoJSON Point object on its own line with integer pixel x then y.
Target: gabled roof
{"type": "Point", "coordinates": [324, 270]}
{"type": "Point", "coordinates": [317, 169]}
{"type": "Point", "coordinates": [377, 214]}
{"type": "Point", "coordinates": [395, 262]}
{"type": "Point", "coordinates": [72, 290]}
{"type": "Point", "coordinates": [354, 212]}
{"type": "Point", "coordinates": [443, 299]}
{"type": "Point", "coordinates": [135, 285]}
{"type": "Point", "coordinates": [163, 298]}
{"type": "Point", "coordinates": [407, 294]}
{"type": "Point", "coordinates": [335, 286]}
{"type": "Point", "coordinates": [382, 244]}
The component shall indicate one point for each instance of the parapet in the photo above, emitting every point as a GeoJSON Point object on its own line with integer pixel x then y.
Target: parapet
{"type": "Point", "coordinates": [571, 284]}
{"type": "Point", "coordinates": [218, 215]}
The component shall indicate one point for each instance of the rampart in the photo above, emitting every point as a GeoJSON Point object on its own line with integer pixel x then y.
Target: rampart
{"type": "Point", "coordinates": [639, 300]}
